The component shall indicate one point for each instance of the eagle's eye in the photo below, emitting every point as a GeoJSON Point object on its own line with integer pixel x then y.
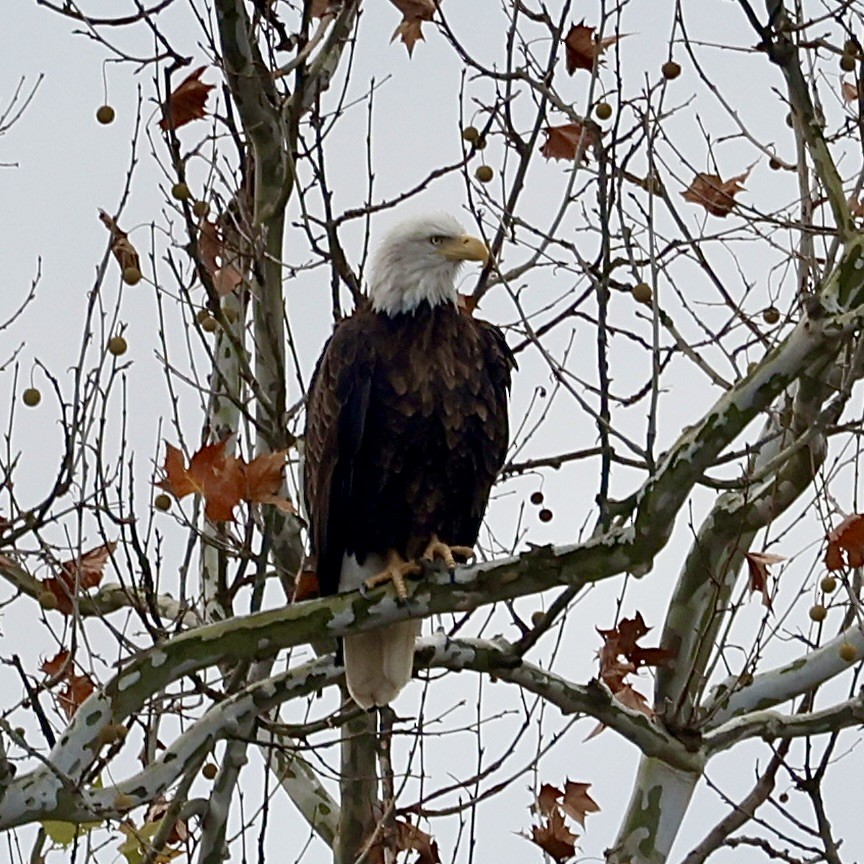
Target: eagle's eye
{"type": "Point", "coordinates": [436, 239]}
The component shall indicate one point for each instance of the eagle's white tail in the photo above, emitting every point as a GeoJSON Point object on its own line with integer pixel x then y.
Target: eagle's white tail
{"type": "Point", "coordinates": [378, 664]}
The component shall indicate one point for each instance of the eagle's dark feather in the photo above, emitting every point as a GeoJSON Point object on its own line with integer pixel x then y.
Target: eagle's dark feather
{"type": "Point", "coordinates": [406, 432]}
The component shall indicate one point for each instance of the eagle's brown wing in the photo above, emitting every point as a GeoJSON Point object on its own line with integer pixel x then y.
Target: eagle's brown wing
{"type": "Point", "coordinates": [335, 421]}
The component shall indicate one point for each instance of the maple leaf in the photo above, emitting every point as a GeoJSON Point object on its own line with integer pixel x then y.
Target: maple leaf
{"type": "Point", "coordinates": [121, 246]}
{"type": "Point", "coordinates": [554, 837]}
{"type": "Point", "coordinates": [186, 102]}
{"type": "Point", "coordinates": [211, 247]}
{"type": "Point", "coordinates": [57, 664]}
{"type": "Point", "coordinates": [86, 570]}
{"type": "Point", "coordinates": [414, 13]}
{"type": "Point", "coordinates": [577, 802]}
{"type": "Point", "coordinates": [263, 481]}
{"type": "Point", "coordinates": [217, 477]}
{"type": "Point", "coordinates": [570, 141]}
{"type": "Point", "coordinates": [758, 564]}
{"type": "Point", "coordinates": [849, 91]}
{"type": "Point", "coordinates": [582, 50]}
{"type": "Point", "coordinates": [633, 699]}
{"type": "Point", "coordinates": [410, 837]}
{"type": "Point", "coordinates": [714, 193]}
{"type": "Point", "coordinates": [78, 574]}
{"type": "Point", "coordinates": [76, 689]}
{"type": "Point", "coordinates": [846, 543]}
{"type": "Point", "coordinates": [547, 799]}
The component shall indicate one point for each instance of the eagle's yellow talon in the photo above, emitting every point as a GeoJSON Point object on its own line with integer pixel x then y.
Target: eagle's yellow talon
{"type": "Point", "coordinates": [395, 571]}
{"type": "Point", "coordinates": [437, 549]}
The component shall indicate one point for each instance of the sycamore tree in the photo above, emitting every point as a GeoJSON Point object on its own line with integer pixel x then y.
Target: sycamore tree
{"type": "Point", "coordinates": [672, 558]}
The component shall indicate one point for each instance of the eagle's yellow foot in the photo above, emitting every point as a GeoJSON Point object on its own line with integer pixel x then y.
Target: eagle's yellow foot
{"type": "Point", "coordinates": [437, 549]}
{"type": "Point", "coordinates": [395, 570]}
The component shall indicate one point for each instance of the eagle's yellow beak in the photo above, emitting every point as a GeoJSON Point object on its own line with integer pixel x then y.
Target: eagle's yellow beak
{"type": "Point", "coordinates": [464, 248]}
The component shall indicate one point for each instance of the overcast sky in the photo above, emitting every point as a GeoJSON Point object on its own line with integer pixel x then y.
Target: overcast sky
{"type": "Point", "coordinates": [63, 166]}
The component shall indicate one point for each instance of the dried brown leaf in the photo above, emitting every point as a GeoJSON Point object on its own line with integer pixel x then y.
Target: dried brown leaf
{"type": "Point", "coordinates": [554, 837]}
{"type": "Point", "coordinates": [582, 50]}
{"type": "Point", "coordinates": [570, 141]}
{"type": "Point", "coordinates": [714, 193]}
{"type": "Point", "coordinates": [186, 102]}
{"type": "Point", "coordinates": [414, 13]}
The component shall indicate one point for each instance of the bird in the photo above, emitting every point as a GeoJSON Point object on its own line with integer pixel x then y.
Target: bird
{"type": "Point", "coordinates": [406, 431]}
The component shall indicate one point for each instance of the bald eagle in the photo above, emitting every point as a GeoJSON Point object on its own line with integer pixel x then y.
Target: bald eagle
{"type": "Point", "coordinates": [406, 430]}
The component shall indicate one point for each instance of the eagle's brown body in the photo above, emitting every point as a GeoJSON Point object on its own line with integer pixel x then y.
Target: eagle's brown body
{"type": "Point", "coordinates": [406, 431]}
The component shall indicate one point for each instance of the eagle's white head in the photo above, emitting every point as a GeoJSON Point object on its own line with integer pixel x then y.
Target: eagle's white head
{"type": "Point", "coordinates": [418, 260]}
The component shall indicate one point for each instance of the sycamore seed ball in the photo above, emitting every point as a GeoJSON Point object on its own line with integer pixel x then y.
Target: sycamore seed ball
{"type": "Point", "coordinates": [848, 652]}
{"type": "Point", "coordinates": [603, 111]}
{"type": "Point", "coordinates": [162, 502]}
{"type": "Point", "coordinates": [470, 134]}
{"type": "Point", "coordinates": [105, 114]}
{"type": "Point", "coordinates": [545, 515]}
{"type": "Point", "coordinates": [771, 315]}
{"type": "Point", "coordinates": [538, 617]}
{"type": "Point", "coordinates": [484, 173]}
{"type": "Point", "coordinates": [201, 208]}
{"type": "Point", "coordinates": [828, 584]}
{"type": "Point", "coordinates": [847, 63]}
{"type": "Point", "coordinates": [209, 324]}
{"type": "Point", "coordinates": [670, 70]}
{"type": "Point", "coordinates": [31, 397]}
{"type": "Point", "coordinates": [774, 164]}
{"type": "Point", "coordinates": [537, 497]}
{"type": "Point", "coordinates": [210, 771]}
{"type": "Point", "coordinates": [480, 143]}
{"type": "Point", "coordinates": [818, 612]}
{"type": "Point", "coordinates": [642, 292]}
{"type": "Point", "coordinates": [181, 192]}
{"type": "Point", "coordinates": [117, 345]}
{"type": "Point", "coordinates": [131, 275]}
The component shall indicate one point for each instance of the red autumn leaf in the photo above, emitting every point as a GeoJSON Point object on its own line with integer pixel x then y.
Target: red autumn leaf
{"type": "Point", "coordinates": [186, 102]}
{"type": "Point", "coordinates": [758, 564]}
{"type": "Point", "coordinates": [846, 543]}
{"type": "Point", "coordinates": [554, 837]}
{"type": "Point", "coordinates": [74, 692]}
{"type": "Point", "coordinates": [410, 837]}
{"type": "Point", "coordinates": [215, 258]}
{"type": "Point", "coordinates": [582, 49]}
{"type": "Point", "coordinates": [547, 799]}
{"type": "Point", "coordinates": [87, 570]}
{"type": "Point", "coordinates": [633, 699]}
{"type": "Point", "coordinates": [621, 641]}
{"type": "Point", "coordinates": [714, 193]}
{"type": "Point", "coordinates": [834, 558]}
{"type": "Point", "coordinates": [577, 802]}
{"type": "Point", "coordinates": [78, 574]}
{"type": "Point", "coordinates": [570, 141]}
{"type": "Point", "coordinates": [57, 664]}
{"type": "Point", "coordinates": [212, 474]}
{"type": "Point", "coordinates": [414, 13]}
{"type": "Point", "coordinates": [121, 246]}
{"type": "Point", "coordinates": [263, 477]}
